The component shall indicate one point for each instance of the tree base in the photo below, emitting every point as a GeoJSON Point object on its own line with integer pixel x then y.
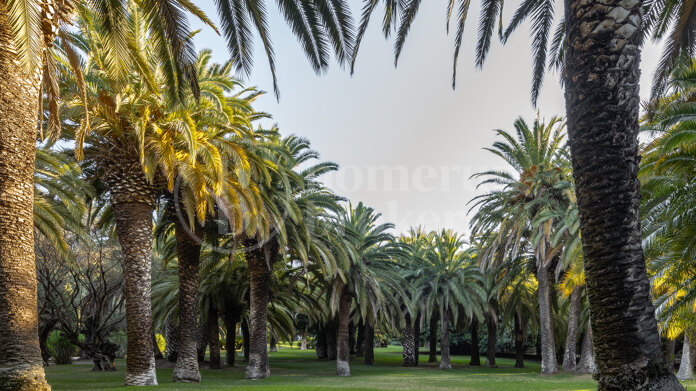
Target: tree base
{"type": "Point", "coordinates": [186, 374]}
{"type": "Point", "coordinates": [445, 365]}
{"type": "Point", "coordinates": [632, 380]}
{"type": "Point", "coordinates": [257, 368]}
{"type": "Point", "coordinates": [342, 368]}
{"type": "Point", "coordinates": [146, 378]}
{"type": "Point", "coordinates": [20, 379]}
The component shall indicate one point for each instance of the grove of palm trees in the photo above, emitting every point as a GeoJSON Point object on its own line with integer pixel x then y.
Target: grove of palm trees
{"type": "Point", "coordinates": [158, 227]}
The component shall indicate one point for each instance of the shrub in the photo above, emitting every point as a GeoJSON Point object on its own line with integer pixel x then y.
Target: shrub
{"type": "Point", "coordinates": [61, 348]}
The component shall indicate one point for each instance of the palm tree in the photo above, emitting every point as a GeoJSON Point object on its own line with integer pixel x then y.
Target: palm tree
{"type": "Point", "coordinates": [450, 283]}
{"type": "Point", "coordinates": [602, 107]}
{"type": "Point", "coordinates": [370, 278]}
{"type": "Point", "coordinates": [509, 217]}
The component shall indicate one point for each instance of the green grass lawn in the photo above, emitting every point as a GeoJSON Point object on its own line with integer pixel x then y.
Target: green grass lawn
{"type": "Point", "coordinates": [292, 369]}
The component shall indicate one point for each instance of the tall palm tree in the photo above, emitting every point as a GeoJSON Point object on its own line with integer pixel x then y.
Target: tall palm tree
{"type": "Point", "coordinates": [509, 216]}
{"type": "Point", "coordinates": [370, 278]}
{"type": "Point", "coordinates": [28, 30]}
{"type": "Point", "coordinates": [449, 282]}
{"type": "Point", "coordinates": [599, 45]}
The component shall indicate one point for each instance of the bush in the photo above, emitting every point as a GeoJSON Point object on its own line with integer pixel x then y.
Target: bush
{"type": "Point", "coordinates": [120, 338]}
{"type": "Point", "coordinates": [61, 348]}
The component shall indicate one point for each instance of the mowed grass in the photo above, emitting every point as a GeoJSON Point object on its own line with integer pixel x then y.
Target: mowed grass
{"type": "Point", "coordinates": [292, 369]}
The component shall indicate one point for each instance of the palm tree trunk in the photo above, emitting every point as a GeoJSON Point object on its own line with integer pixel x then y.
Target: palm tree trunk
{"type": "Point", "coordinates": [342, 344]}
{"type": "Point", "coordinates": [492, 328]}
{"type": "Point", "coordinates": [670, 346]}
{"type": "Point", "coordinates": [519, 341]}
{"type": "Point", "coordinates": [407, 342]}
{"type": "Point", "coordinates": [587, 362]}
{"type": "Point", "coordinates": [570, 356]}
{"type": "Point", "coordinates": [601, 78]}
{"type": "Point", "coordinates": [475, 352]}
{"type": "Point", "coordinates": [433, 339]}
{"type": "Point", "coordinates": [21, 365]}
{"type": "Point", "coordinates": [213, 337]}
{"type": "Point", "coordinates": [259, 284]}
{"type": "Point", "coordinates": [245, 340]}
{"type": "Point", "coordinates": [171, 337]}
{"type": "Point", "coordinates": [188, 250]}
{"type": "Point", "coordinates": [303, 339]}
{"type": "Point", "coordinates": [133, 202]}
{"type": "Point", "coordinates": [360, 348]}
{"type": "Point", "coordinates": [686, 367]}
{"type": "Point", "coordinates": [444, 341]}
{"type": "Point", "coordinates": [320, 345]}
{"type": "Point", "coordinates": [369, 344]}
{"type": "Point", "coordinates": [548, 344]}
{"type": "Point", "coordinates": [351, 338]}
{"type": "Point", "coordinates": [231, 318]}
{"type": "Point", "coordinates": [331, 349]}
{"type": "Point", "coordinates": [203, 340]}
{"type": "Point", "coordinates": [417, 336]}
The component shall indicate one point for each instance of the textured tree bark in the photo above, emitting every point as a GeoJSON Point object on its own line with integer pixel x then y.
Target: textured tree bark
{"type": "Point", "coordinates": [231, 318]}
{"type": "Point", "coordinates": [670, 346]}
{"type": "Point", "coordinates": [331, 348]}
{"type": "Point", "coordinates": [202, 344]}
{"type": "Point", "coordinates": [475, 351]}
{"type": "Point", "coordinates": [360, 348]}
{"type": "Point", "coordinates": [133, 204]}
{"type": "Point", "coordinates": [416, 336]}
{"type": "Point", "coordinates": [519, 341]}
{"type": "Point", "coordinates": [444, 341]}
{"type": "Point", "coordinates": [245, 340]}
{"type": "Point", "coordinates": [407, 341]}
{"type": "Point", "coordinates": [548, 344]}
{"type": "Point", "coordinates": [171, 337]}
{"type": "Point", "coordinates": [369, 344]}
{"type": "Point", "coordinates": [188, 250]}
{"type": "Point", "coordinates": [259, 284]}
{"type": "Point", "coordinates": [587, 362]}
{"type": "Point", "coordinates": [214, 338]}
{"type": "Point", "coordinates": [688, 359]}
{"type": "Point", "coordinates": [342, 343]}
{"type": "Point", "coordinates": [492, 328]}
{"type": "Point", "coordinates": [273, 345]}
{"type": "Point", "coordinates": [320, 345]}
{"type": "Point", "coordinates": [570, 355]}
{"type": "Point", "coordinates": [433, 339]}
{"type": "Point", "coordinates": [21, 365]}
{"type": "Point", "coordinates": [601, 77]}
{"type": "Point", "coordinates": [351, 337]}
{"type": "Point", "coordinates": [303, 340]}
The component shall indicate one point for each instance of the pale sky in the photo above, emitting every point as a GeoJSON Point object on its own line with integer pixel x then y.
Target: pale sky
{"type": "Point", "coordinates": [405, 141]}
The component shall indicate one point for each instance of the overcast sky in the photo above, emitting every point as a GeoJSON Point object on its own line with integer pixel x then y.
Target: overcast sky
{"type": "Point", "coordinates": [405, 141]}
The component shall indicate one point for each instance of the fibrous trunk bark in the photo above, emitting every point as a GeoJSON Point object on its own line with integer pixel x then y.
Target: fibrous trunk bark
{"type": "Point", "coordinates": [360, 348]}
{"type": "Point", "coordinates": [416, 336]}
{"type": "Point", "coordinates": [688, 359]}
{"type": "Point", "coordinates": [444, 341]}
{"type": "Point", "coordinates": [519, 341]}
{"type": "Point", "coordinates": [231, 318]}
{"type": "Point", "coordinates": [369, 344]}
{"type": "Point", "coordinates": [475, 352]}
{"type": "Point", "coordinates": [320, 344]}
{"type": "Point", "coordinates": [548, 343]}
{"type": "Point", "coordinates": [570, 355]}
{"type": "Point", "coordinates": [259, 260]}
{"type": "Point", "coordinates": [214, 338]}
{"type": "Point", "coordinates": [21, 364]}
{"type": "Point", "coordinates": [171, 337]}
{"type": "Point", "coordinates": [492, 327]}
{"type": "Point", "coordinates": [202, 344]}
{"type": "Point", "coordinates": [303, 340]}
{"type": "Point", "coordinates": [351, 338]}
{"type": "Point", "coordinates": [587, 362]}
{"type": "Point", "coordinates": [432, 339]}
{"type": "Point", "coordinates": [188, 250]}
{"type": "Point", "coordinates": [670, 346]}
{"type": "Point", "coordinates": [601, 77]}
{"type": "Point", "coordinates": [133, 201]}
{"type": "Point", "coordinates": [245, 340]}
{"type": "Point", "coordinates": [331, 349]}
{"type": "Point", "coordinates": [342, 343]}
{"type": "Point", "coordinates": [407, 342]}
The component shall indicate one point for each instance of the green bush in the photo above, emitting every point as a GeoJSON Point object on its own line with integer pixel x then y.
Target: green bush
{"type": "Point", "coordinates": [61, 348]}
